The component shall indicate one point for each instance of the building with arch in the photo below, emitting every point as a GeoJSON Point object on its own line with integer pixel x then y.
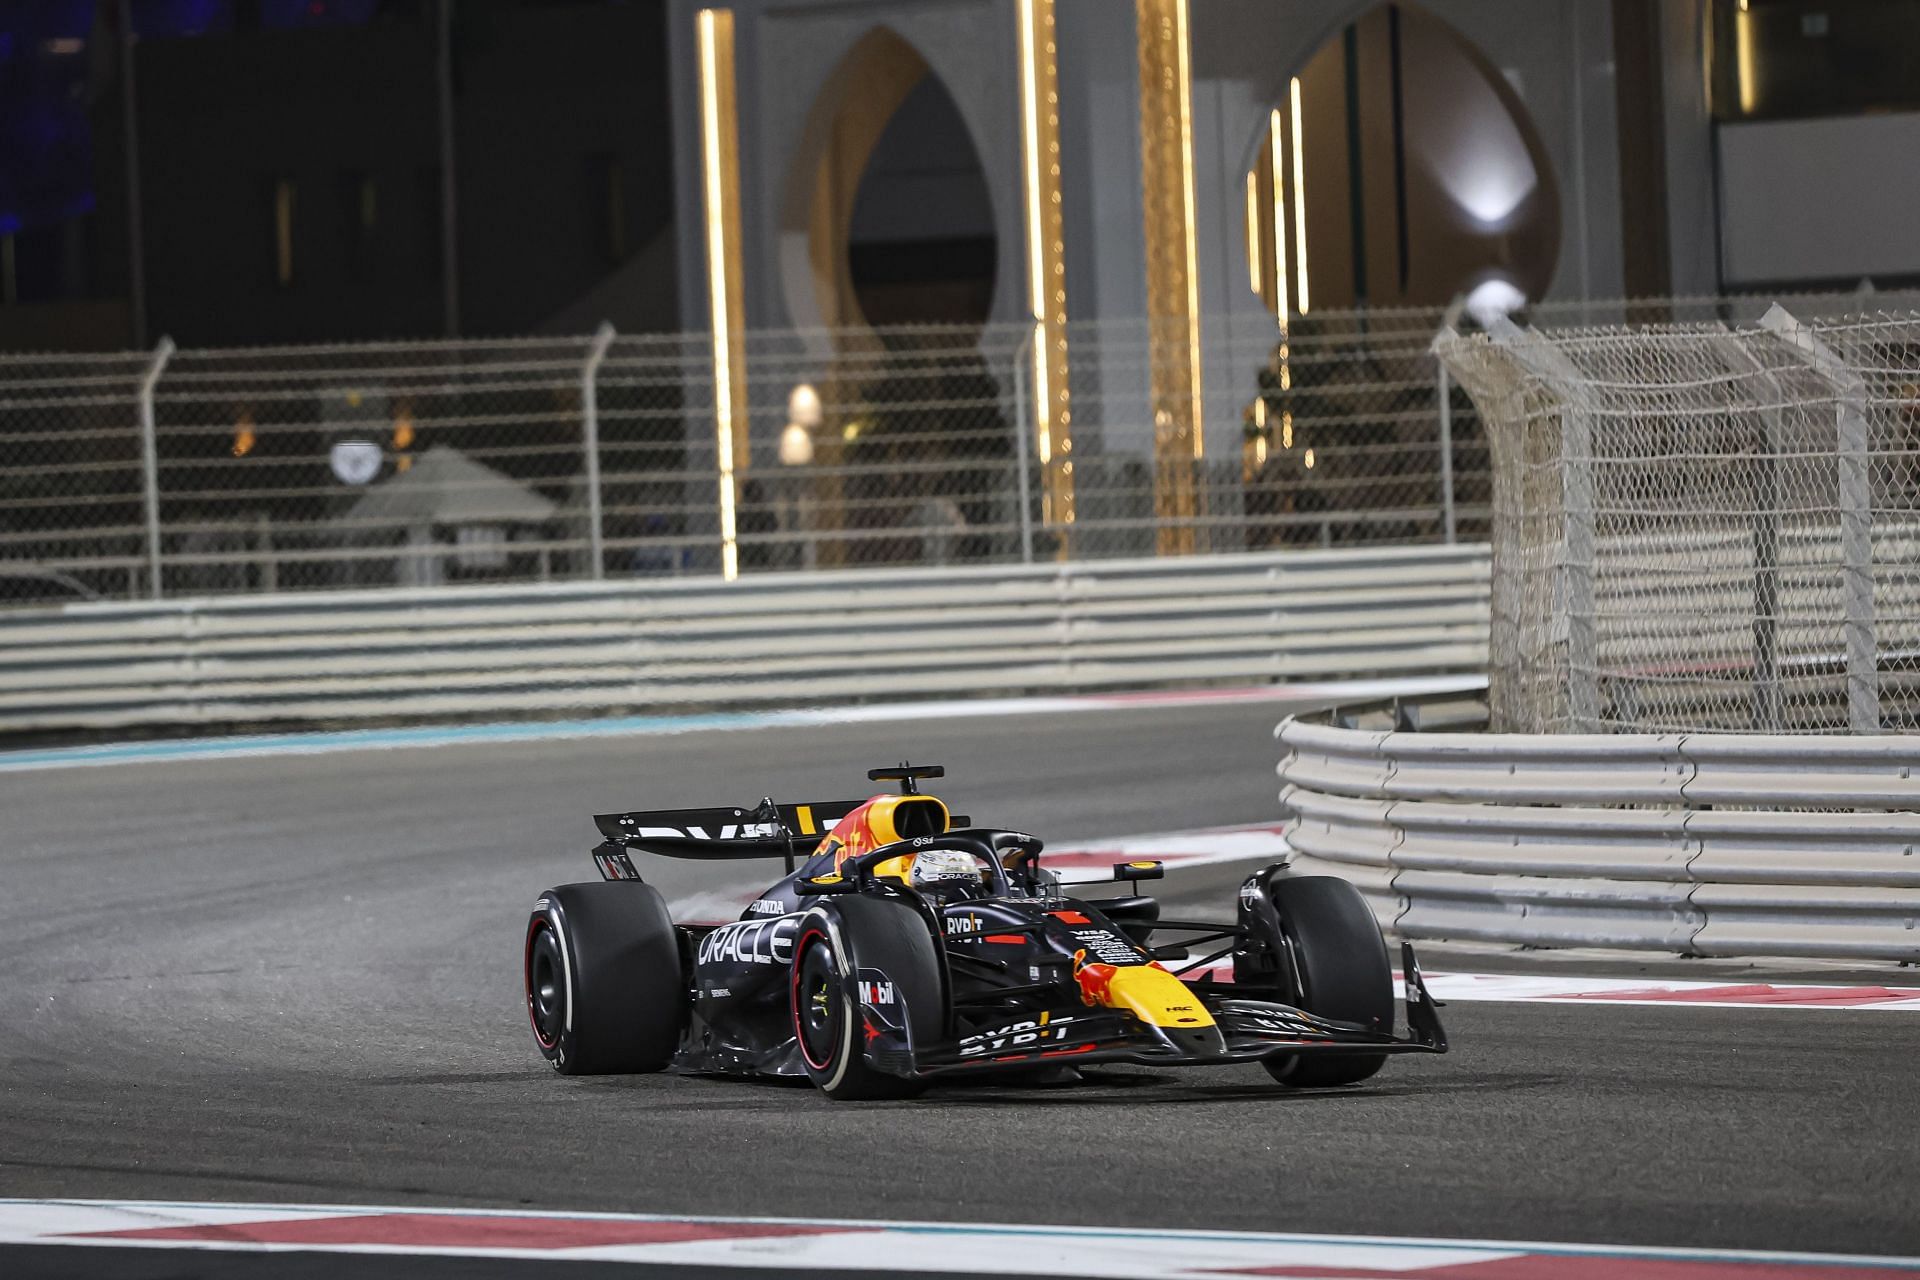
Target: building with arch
{"type": "Point", "coordinates": [1124, 220]}
{"type": "Point", "coordinates": [1209, 171]}
{"type": "Point", "coordinates": [1190, 165]}
{"type": "Point", "coordinates": [817, 85]}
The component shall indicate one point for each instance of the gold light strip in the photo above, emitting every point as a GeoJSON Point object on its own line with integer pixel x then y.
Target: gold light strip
{"type": "Point", "coordinates": [1276, 165]}
{"type": "Point", "coordinates": [1046, 260]}
{"type": "Point", "coordinates": [1299, 200]}
{"type": "Point", "coordinates": [1254, 273]}
{"type": "Point", "coordinates": [1744, 56]}
{"type": "Point", "coordinates": [1184, 101]}
{"type": "Point", "coordinates": [1173, 276]}
{"type": "Point", "coordinates": [720, 179]}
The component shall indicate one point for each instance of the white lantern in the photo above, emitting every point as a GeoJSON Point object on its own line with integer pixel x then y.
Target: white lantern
{"type": "Point", "coordinates": [796, 445]}
{"type": "Point", "coordinates": [803, 406]}
{"type": "Point", "coordinates": [1492, 299]}
{"type": "Point", "coordinates": [354, 461]}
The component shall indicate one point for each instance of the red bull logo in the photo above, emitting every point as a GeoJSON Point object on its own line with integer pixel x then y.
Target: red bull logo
{"type": "Point", "coordinates": [1095, 980]}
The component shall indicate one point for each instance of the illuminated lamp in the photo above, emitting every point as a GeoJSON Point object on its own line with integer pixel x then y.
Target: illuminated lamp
{"type": "Point", "coordinates": [1493, 299]}
{"type": "Point", "coordinates": [796, 446]}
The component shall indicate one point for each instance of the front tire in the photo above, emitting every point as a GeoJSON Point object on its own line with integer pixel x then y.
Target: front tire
{"type": "Point", "coordinates": [1341, 969]}
{"type": "Point", "coordinates": [606, 991]}
{"type": "Point", "coordinates": [833, 943]}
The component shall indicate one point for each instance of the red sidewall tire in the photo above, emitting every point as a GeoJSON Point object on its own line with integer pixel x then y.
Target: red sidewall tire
{"type": "Point", "coordinates": [605, 984]}
{"type": "Point", "coordinates": [837, 941]}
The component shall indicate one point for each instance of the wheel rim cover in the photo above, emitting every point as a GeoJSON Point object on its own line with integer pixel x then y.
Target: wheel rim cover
{"type": "Point", "coordinates": [546, 988]}
{"type": "Point", "coordinates": [816, 1013]}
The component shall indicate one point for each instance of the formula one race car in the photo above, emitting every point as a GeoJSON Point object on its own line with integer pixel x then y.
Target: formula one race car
{"type": "Point", "coordinates": [910, 946]}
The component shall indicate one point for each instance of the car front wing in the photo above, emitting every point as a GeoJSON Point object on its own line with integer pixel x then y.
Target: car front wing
{"type": "Point", "coordinates": [1252, 1023]}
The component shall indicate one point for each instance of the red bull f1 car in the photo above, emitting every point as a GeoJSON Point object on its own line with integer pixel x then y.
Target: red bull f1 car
{"type": "Point", "coordinates": [906, 946]}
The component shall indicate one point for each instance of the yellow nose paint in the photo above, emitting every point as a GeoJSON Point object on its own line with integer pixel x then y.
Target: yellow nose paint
{"type": "Point", "coordinates": [1156, 997]}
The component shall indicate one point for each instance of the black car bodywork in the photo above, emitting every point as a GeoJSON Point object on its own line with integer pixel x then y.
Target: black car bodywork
{"type": "Point", "coordinates": [1012, 974]}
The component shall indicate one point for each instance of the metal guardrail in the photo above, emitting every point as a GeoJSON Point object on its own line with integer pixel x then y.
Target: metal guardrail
{"type": "Point", "coordinates": [1702, 844]}
{"type": "Point", "coordinates": [771, 639]}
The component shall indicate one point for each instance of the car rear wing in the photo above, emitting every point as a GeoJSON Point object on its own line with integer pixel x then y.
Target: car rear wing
{"type": "Point", "coordinates": [784, 831]}
{"type": "Point", "coordinates": [770, 831]}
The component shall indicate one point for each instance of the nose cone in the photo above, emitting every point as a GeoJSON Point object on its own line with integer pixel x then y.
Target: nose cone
{"type": "Point", "coordinates": [1147, 991]}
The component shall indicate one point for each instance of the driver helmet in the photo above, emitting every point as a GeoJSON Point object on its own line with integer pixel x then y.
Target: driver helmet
{"type": "Point", "coordinates": [947, 873]}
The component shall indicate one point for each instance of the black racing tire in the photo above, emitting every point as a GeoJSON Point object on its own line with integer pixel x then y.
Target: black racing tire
{"type": "Point", "coordinates": [606, 989]}
{"type": "Point", "coordinates": [1343, 972]}
{"type": "Point", "coordinates": [833, 942]}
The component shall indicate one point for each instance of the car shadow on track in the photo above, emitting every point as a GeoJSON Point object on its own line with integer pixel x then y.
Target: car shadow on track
{"type": "Point", "coordinates": [515, 1076]}
{"type": "Point", "coordinates": [1131, 1090]}
{"type": "Point", "coordinates": [1089, 1088]}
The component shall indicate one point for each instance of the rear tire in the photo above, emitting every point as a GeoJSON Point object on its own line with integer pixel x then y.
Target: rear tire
{"type": "Point", "coordinates": [834, 942]}
{"type": "Point", "coordinates": [606, 991]}
{"type": "Point", "coordinates": [1343, 972]}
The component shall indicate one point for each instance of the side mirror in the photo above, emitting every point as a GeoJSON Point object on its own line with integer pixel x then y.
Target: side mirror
{"type": "Point", "coordinates": [1145, 869]}
{"type": "Point", "coordinates": [828, 884]}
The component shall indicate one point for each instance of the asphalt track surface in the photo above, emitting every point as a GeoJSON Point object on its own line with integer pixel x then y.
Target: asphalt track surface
{"type": "Point", "coordinates": [296, 979]}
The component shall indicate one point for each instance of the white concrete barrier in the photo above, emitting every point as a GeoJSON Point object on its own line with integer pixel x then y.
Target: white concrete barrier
{"type": "Point", "coordinates": [1691, 843]}
{"type": "Point", "coordinates": [776, 639]}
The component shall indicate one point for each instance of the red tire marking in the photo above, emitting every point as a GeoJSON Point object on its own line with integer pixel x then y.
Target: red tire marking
{"type": "Point", "coordinates": [799, 1036]}
{"type": "Point", "coordinates": [533, 927]}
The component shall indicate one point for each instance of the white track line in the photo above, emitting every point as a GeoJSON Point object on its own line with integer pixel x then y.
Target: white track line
{"type": "Point", "coordinates": [901, 1247]}
{"type": "Point", "coordinates": [226, 748]}
{"type": "Point", "coordinates": [1530, 988]}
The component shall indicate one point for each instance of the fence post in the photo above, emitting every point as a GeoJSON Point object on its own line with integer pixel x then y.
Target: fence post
{"type": "Point", "coordinates": [150, 460]}
{"type": "Point", "coordinates": [1765, 534]}
{"type": "Point", "coordinates": [1023, 442]}
{"type": "Point", "coordinates": [1543, 360]}
{"type": "Point", "coordinates": [590, 438]}
{"type": "Point", "coordinates": [1856, 511]}
{"type": "Point", "coordinates": [1443, 385]}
